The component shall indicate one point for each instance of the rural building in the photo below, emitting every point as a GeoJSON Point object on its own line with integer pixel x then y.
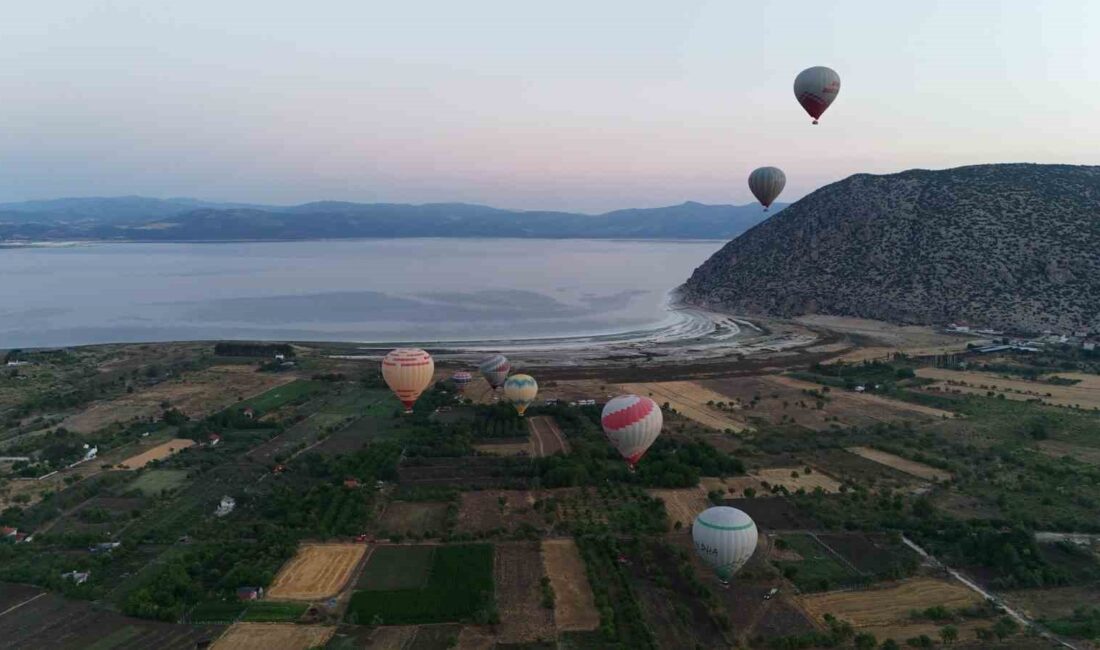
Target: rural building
{"type": "Point", "coordinates": [250, 593]}
{"type": "Point", "coordinates": [104, 547]}
{"type": "Point", "coordinates": [351, 483]}
{"type": "Point", "coordinates": [79, 577]}
{"type": "Point", "coordinates": [7, 532]}
{"type": "Point", "coordinates": [249, 413]}
{"type": "Point", "coordinates": [226, 506]}
{"type": "Point", "coordinates": [214, 439]}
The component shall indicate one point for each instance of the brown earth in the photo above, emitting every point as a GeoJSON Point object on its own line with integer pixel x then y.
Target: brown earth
{"type": "Point", "coordinates": [163, 450]}
{"type": "Point", "coordinates": [682, 505]}
{"type": "Point", "coordinates": [418, 517]}
{"type": "Point", "coordinates": [505, 448]}
{"type": "Point", "coordinates": [517, 570]}
{"type": "Point", "coordinates": [911, 467]}
{"type": "Point", "coordinates": [546, 438]}
{"type": "Point", "coordinates": [574, 606]}
{"type": "Point", "coordinates": [482, 511]}
{"type": "Point", "coordinates": [316, 571]}
{"type": "Point", "coordinates": [265, 636]}
{"type": "Point", "coordinates": [196, 394]}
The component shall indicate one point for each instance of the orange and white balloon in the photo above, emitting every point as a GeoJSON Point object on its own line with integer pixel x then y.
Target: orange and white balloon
{"type": "Point", "coordinates": [407, 372]}
{"type": "Point", "coordinates": [632, 423]}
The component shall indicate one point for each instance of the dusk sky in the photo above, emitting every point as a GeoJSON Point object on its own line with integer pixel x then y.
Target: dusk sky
{"type": "Point", "coordinates": [580, 105]}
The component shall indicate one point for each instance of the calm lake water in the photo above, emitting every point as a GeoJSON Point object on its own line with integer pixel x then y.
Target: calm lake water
{"type": "Point", "coordinates": [361, 290]}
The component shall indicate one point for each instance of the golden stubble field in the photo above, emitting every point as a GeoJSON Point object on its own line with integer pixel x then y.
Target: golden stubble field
{"type": "Point", "coordinates": [885, 610]}
{"type": "Point", "coordinates": [574, 606]}
{"type": "Point", "coordinates": [910, 467]}
{"type": "Point", "coordinates": [267, 636]}
{"type": "Point", "coordinates": [316, 571]}
{"type": "Point", "coordinates": [1085, 394]}
{"type": "Point", "coordinates": [160, 452]}
{"type": "Point", "coordinates": [195, 394]}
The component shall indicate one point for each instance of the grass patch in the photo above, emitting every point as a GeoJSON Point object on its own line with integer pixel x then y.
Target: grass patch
{"type": "Point", "coordinates": [818, 570]}
{"type": "Point", "coordinates": [266, 611]}
{"type": "Point", "coordinates": [158, 481]}
{"type": "Point", "coordinates": [217, 611]}
{"type": "Point", "coordinates": [397, 567]}
{"type": "Point", "coordinates": [282, 395]}
{"type": "Point", "coordinates": [459, 588]}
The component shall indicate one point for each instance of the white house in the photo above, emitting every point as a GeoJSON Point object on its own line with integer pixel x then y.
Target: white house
{"type": "Point", "coordinates": [226, 506]}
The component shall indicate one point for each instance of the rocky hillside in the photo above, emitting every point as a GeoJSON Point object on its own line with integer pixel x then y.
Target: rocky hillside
{"type": "Point", "coordinates": [1008, 246]}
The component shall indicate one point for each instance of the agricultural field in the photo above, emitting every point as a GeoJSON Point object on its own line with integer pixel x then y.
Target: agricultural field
{"type": "Point", "coordinates": [264, 636]}
{"type": "Point", "coordinates": [546, 438]}
{"type": "Point", "coordinates": [158, 481]}
{"type": "Point", "coordinates": [415, 518]}
{"type": "Point", "coordinates": [391, 568]}
{"type": "Point", "coordinates": [473, 472]}
{"type": "Point", "coordinates": [271, 400]}
{"type": "Point", "coordinates": [100, 515]}
{"type": "Point", "coordinates": [195, 394]}
{"type": "Point", "coordinates": [812, 566]}
{"type": "Point", "coordinates": [691, 399]}
{"type": "Point", "coordinates": [1056, 449]}
{"type": "Point", "coordinates": [459, 587]}
{"type": "Point", "coordinates": [887, 610]}
{"type": "Point", "coordinates": [775, 514]}
{"type": "Point", "coordinates": [797, 478]}
{"type": "Point", "coordinates": [911, 467]}
{"type": "Point", "coordinates": [574, 606]}
{"type": "Point", "coordinates": [683, 504]}
{"type": "Point", "coordinates": [1084, 394]}
{"type": "Point", "coordinates": [506, 447]}
{"type": "Point", "coordinates": [485, 511]}
{"type": "Point", "coordinates": [526, 607]}
{"type": "Point", "coordinates": [317, 571]}
{"type": "Point", "coordinates": [32, 620]}
{"type": "Point", "coordinates": [160, 452]}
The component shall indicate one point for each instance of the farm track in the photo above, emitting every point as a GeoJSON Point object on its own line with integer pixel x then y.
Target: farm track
{"type": "Point", "coordinates": [546, 438]}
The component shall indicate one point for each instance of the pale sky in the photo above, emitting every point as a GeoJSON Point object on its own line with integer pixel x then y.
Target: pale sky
{"type": "Point", "coordinates": [574, 104]}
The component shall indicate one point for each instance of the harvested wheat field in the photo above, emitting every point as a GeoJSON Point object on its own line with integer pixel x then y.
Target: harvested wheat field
{"type": "Point", "coordinates": [195, 394]}
{"type": "Point", "coordinates": [690, 400]}
{"type": "Point", "coordinates": [163, 450]}
{"type": "Point", "coordinates": [574, 607]}
{"type": "Point", "coordinates": [316, 571]}
{"type": "Point", "coordinates": [795, 478]}
{"type": "Point", "coordinates": [265, 636]}
{"type": "Point", "coordinates": [885, 611]}
{"type": "Point", "coordinates": [1085, 394]}
{"type": "Point", "coordinates": [682, 505]}
{"type": "Point", "coordinates": [910, 467]}
{"type": "Point", "coordinates": [517, 570]}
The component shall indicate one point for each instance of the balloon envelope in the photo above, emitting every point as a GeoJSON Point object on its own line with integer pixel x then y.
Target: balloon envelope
{"type": "Point", "coordinates": [460, 379]}
{"type": "Point", "coordinates": [766, 183]}
{"type": "Point", "coordinates": [521, 391]}
{"type": "Point", "coordinates": [725, 538]}
{"type": "Point", "coordinates": [632, 423]}
{"type": "Point", "coordinates": [815, 89]}
{"type": "Point", "coordinates": [407, 372]}
{"type": "Point", "coordinates": [495, 369]}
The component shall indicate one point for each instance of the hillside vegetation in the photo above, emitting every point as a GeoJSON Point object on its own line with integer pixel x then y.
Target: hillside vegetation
{"type": "Point", "coordinates": [1008, 246]}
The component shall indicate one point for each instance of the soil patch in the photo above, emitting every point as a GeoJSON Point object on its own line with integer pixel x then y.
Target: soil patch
{"type": "Point", "coordinates": [163, 450]}
{"type": "Point", "coordinates": [574, 607]}
{"type": "Point", "coordinates": [517, 570]}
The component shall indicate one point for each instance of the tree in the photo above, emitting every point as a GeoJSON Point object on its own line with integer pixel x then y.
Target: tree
{"type": "Point", "coordinates": [890, 644]}
{"type": "Point", "coordinates": [865, 641]}
{"type": "Point", "coordinates": [949, 634]}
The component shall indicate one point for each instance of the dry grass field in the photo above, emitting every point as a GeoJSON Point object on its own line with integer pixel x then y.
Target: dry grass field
{"type": "Point", "coordinates": [574, 607]}
{"type": "Point", "coordinates": [1084, 454]}
{"type": "Point", "coordinates": [418, 517]}
{"type": "Point", "coordinates": [487, 510]}
{"type": "Point", "coordinates": [316, 571]}
{"type": "Point", "coordinates": [682, 505]}
{"type": "Point", "coordinates": [690, 399]}
{"type": "Point", "coordinates": [911, 467]}
{"type": "Point", "coordinates": [785, 476]}
{"type": "Point", "coordinates": [885, 611]}
{"type": "Point", "coordinates": [163, 450]}
{"type": "Point", "coordinates": [266, 636]}
{"type": "Point", "coordinates": [195, 394]}
{"type": "Point", "coordinates": [1085, 394]}
{"type": "Point", "coordinates": [517, 570]}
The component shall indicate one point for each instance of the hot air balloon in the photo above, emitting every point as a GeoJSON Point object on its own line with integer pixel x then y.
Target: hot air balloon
{"type": "Point", "coordinates": [407, 372]}
{"type": "Point", "coordinates": [521, 391]}
{"type": "Point", "coordinates": [632, 423]}
{"type": "Point", "coordinates": [816, 88]}
{"type": "Point", "coordinates": [725, 538]}
{"type": "Point", "coordinates": [460, 379]}
{"type": "Point", "coordinates": [766, 183]}
{"type": "Point", "coordinates": [495, 369]}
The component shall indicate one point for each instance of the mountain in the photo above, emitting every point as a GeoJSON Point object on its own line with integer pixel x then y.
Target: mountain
{"type": "Point", "coordinates": [1013, 246]}
{"type": "Point", "coordinates": [141, 219]}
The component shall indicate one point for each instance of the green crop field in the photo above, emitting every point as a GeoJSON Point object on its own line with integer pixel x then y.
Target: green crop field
{"type": "Point", "coordinates": [264, 611]}
{"type": "Point", "coordinates": [282, 395]}
{"type": "Point", "coordinates": [818, 570]}
{"type": "Point", "coordinates": [397, 567]}
{"type": "Point", "coordinates": [156, 481]}
{"type": "Point", "coordinates": [217, 611]}
{"type": "Point", "coordinates": [459, 588]}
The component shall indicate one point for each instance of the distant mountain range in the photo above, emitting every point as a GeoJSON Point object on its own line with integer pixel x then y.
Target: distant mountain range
{"type": "Point", "coordinates": [1012, 246]}
{"type": "Point", "coordinates": [137, 218]}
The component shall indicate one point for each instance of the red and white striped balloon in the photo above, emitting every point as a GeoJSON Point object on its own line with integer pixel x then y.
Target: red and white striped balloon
{"type": "Point", "coordinates": [632, 423]}
{"type": "Point", "coordinates": [407, 372]}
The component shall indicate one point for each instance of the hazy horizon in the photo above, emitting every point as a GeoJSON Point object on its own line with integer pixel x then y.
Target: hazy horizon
{"type": "Point", "coordinates": [574, 106]}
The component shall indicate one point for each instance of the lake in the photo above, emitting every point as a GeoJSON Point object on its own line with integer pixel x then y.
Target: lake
{"type": "Point", "coordinates": [426, 290]}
